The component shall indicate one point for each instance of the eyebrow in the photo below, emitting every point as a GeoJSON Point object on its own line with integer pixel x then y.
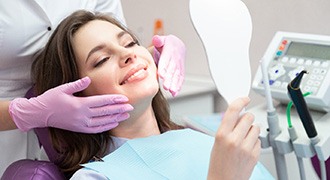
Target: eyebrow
{"type": "Point", "coordinates": [102, 46]}
{"type": "Point", "coordinates": [97, 48]}
{"type": "Point", "coordinates": [121, 34]}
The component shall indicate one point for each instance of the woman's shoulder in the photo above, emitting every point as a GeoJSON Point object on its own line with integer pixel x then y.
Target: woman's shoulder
{"type": "Point", "coordinates": [87, 174]}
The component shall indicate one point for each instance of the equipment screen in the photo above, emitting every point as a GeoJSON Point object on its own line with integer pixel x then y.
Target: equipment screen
{"type": "Point", "coordinates": [308, 50]}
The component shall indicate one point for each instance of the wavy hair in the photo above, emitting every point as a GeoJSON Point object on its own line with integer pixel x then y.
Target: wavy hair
{"type": "Point", "coordinates": [56, 65]}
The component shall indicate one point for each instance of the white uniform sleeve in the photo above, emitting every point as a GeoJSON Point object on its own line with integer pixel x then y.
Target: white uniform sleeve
{"type": "Point", "coordinates": [112, 7]}
{"type": "Point", "coordinates": [87, 174]}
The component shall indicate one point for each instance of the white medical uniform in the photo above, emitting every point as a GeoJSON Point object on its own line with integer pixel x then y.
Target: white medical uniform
{"type": "Point", "coordinates": [25, 26]}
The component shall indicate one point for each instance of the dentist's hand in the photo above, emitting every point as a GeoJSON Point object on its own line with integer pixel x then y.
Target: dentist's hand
{"type": "Point", "coordinates": [58, 108]}
{"type": "Point", "coordinates": [170, 54]}
{"type": "Point", "coordinates": [237, 147]}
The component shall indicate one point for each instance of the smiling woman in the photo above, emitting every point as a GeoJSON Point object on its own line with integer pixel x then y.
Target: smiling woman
{"type": "Point", "coordinates": [99, 47]}
{"type": "Point", "coordinates": [114, 61]}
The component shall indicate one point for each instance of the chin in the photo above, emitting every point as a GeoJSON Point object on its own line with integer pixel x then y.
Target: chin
{"type": "Point", "coordinates": [145, 95]}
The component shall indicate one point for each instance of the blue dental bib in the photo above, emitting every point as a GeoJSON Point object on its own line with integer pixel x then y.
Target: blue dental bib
{"type": "Point", "coordinates": [175, 155]}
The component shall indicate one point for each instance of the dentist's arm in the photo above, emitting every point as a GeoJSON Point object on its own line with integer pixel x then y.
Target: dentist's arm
{"type": "Point", "coordinates": [59, 108]}
{"type": "Point", "coordinates": [236, 148]}
{"type": "Point", "coordinates": [6, 122]}
{"type": "Point", "coordinates": [170, 53]}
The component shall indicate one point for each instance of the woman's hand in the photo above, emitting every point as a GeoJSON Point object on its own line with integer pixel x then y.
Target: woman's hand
{"type": "Point", "coordinates": [59, 108]}
{"type": "Point", "coordinates": [236, 148]}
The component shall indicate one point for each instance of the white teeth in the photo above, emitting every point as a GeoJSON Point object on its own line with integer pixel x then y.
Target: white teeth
{"type": "Point", "coordinates": [134, 75]}
{"type": "Point", "coordinates": [137, 73]}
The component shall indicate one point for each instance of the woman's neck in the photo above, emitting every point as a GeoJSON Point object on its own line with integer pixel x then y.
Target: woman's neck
{"type": "Point", "coordinates": [140, 124]}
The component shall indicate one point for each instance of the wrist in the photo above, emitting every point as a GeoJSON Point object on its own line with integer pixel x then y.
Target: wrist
{"type": "Point", "coordinates": [19, 114]}
{"type": "Point", "coordinates": [6, 122]}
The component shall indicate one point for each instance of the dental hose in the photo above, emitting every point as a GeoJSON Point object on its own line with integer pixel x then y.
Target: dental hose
{"type": "Point", "coordinates": [274, 128]}
{"type": "Point", "coordinates": [293, 137]}
{"type": "Point", "coordinates": [298, 100]}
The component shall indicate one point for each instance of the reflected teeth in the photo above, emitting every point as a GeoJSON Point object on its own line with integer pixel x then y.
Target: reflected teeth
{"type": "Point", "coordinates": [134, 75]}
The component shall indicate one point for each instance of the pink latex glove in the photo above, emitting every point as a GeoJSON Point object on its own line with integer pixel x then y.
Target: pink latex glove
{"type": "Point", "coordinates": [170, 54]}
{"type": "Point", "coordinates": [58, 108]}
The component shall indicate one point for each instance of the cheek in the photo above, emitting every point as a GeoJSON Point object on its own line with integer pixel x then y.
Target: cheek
{"type": "Point", "coordinates": [102, 83]}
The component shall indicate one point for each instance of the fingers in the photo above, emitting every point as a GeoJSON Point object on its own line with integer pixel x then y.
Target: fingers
{"type": "Point", "coordinates": [108, 114]}
{"type": "Point", "coordinates": [177, 81]}
{"type": "Point", "coordinates": [158, 41]}
{"type": "Point", "coordinates": [164, 64]}
{"type": "Point", "coordinates": [251, 139]}
{"type": "Point", "coordinates": [243, 126]}
{"type": "Point", "coordinates": [98, 129]}
{"type": "Point", "coordinates": [238, 138]}
{"type": "Point", "coordinates": [75, 86]}
{"type": "Point", "coordinates": [253, 145]}
{"type": "Point", "coordinates": [257, 150]}
{"type": "Point", "coordinates": [232, 114]}
{"type": "Point", "coordinates": [172, 77]}
{"type": "Point", "coordinates": [108, 119]}
{"type": "Point", "coordinates": [171, 61]}
{"type": "Point", "coordinates": [103, 100]}
{"type": "Point", "coordinates": [110, 110]}
{"type": "Point", "coordinates": [168, 75]}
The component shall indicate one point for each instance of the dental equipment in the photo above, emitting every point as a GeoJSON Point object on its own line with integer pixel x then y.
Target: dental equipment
{"type": "Point", "coordinates": [273, 125]}
{"type": "Point", "coordinates": [226, 36]}
{"type": "Point", "coordinates": [301, 106]}
{"type": "Point", "coordinates": [303, 112]}
{"type": "Point", "coordinates": [293, 136]}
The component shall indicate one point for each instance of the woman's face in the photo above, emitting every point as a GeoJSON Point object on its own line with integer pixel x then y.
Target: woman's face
{"type": "Point", "coordinates": [114, 62]}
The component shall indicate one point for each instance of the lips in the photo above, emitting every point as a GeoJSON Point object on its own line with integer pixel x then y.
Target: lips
{"type": "Point", "coordinates": [134, 73]}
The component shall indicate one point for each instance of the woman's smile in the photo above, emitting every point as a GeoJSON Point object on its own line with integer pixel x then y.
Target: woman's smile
{"type": "Point", "coordinates": [135, 74]}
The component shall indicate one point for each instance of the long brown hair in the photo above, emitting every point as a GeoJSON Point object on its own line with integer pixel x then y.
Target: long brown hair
{"type": "Point", "coordinates": [56, 65]}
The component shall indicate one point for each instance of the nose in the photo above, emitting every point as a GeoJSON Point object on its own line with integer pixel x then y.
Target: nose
{"type": "Point", "coordinates": [128, 56]}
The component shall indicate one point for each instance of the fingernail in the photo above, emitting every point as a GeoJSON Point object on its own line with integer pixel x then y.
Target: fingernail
{"type": "Point", "coordinates": [85, 79]}
{"type": "Point", "coordinates": [129, 107]}
{"type": "Point", "coordinates": [122, 117]}
{"type": "Point", "coordinates": [125, 108]}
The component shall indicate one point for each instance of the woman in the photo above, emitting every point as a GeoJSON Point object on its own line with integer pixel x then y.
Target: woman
{"type": "Point", "coordinates": [99, 47]}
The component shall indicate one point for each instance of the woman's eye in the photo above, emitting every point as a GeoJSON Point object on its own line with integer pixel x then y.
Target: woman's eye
{"type": "Point", "coordinates": [131, 44]}
{"type": "Point", "coordinates": [99, 63]}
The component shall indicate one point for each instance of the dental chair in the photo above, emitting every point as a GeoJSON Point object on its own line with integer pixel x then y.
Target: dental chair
{"type": "Point", "coordinates": [27, 169]}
